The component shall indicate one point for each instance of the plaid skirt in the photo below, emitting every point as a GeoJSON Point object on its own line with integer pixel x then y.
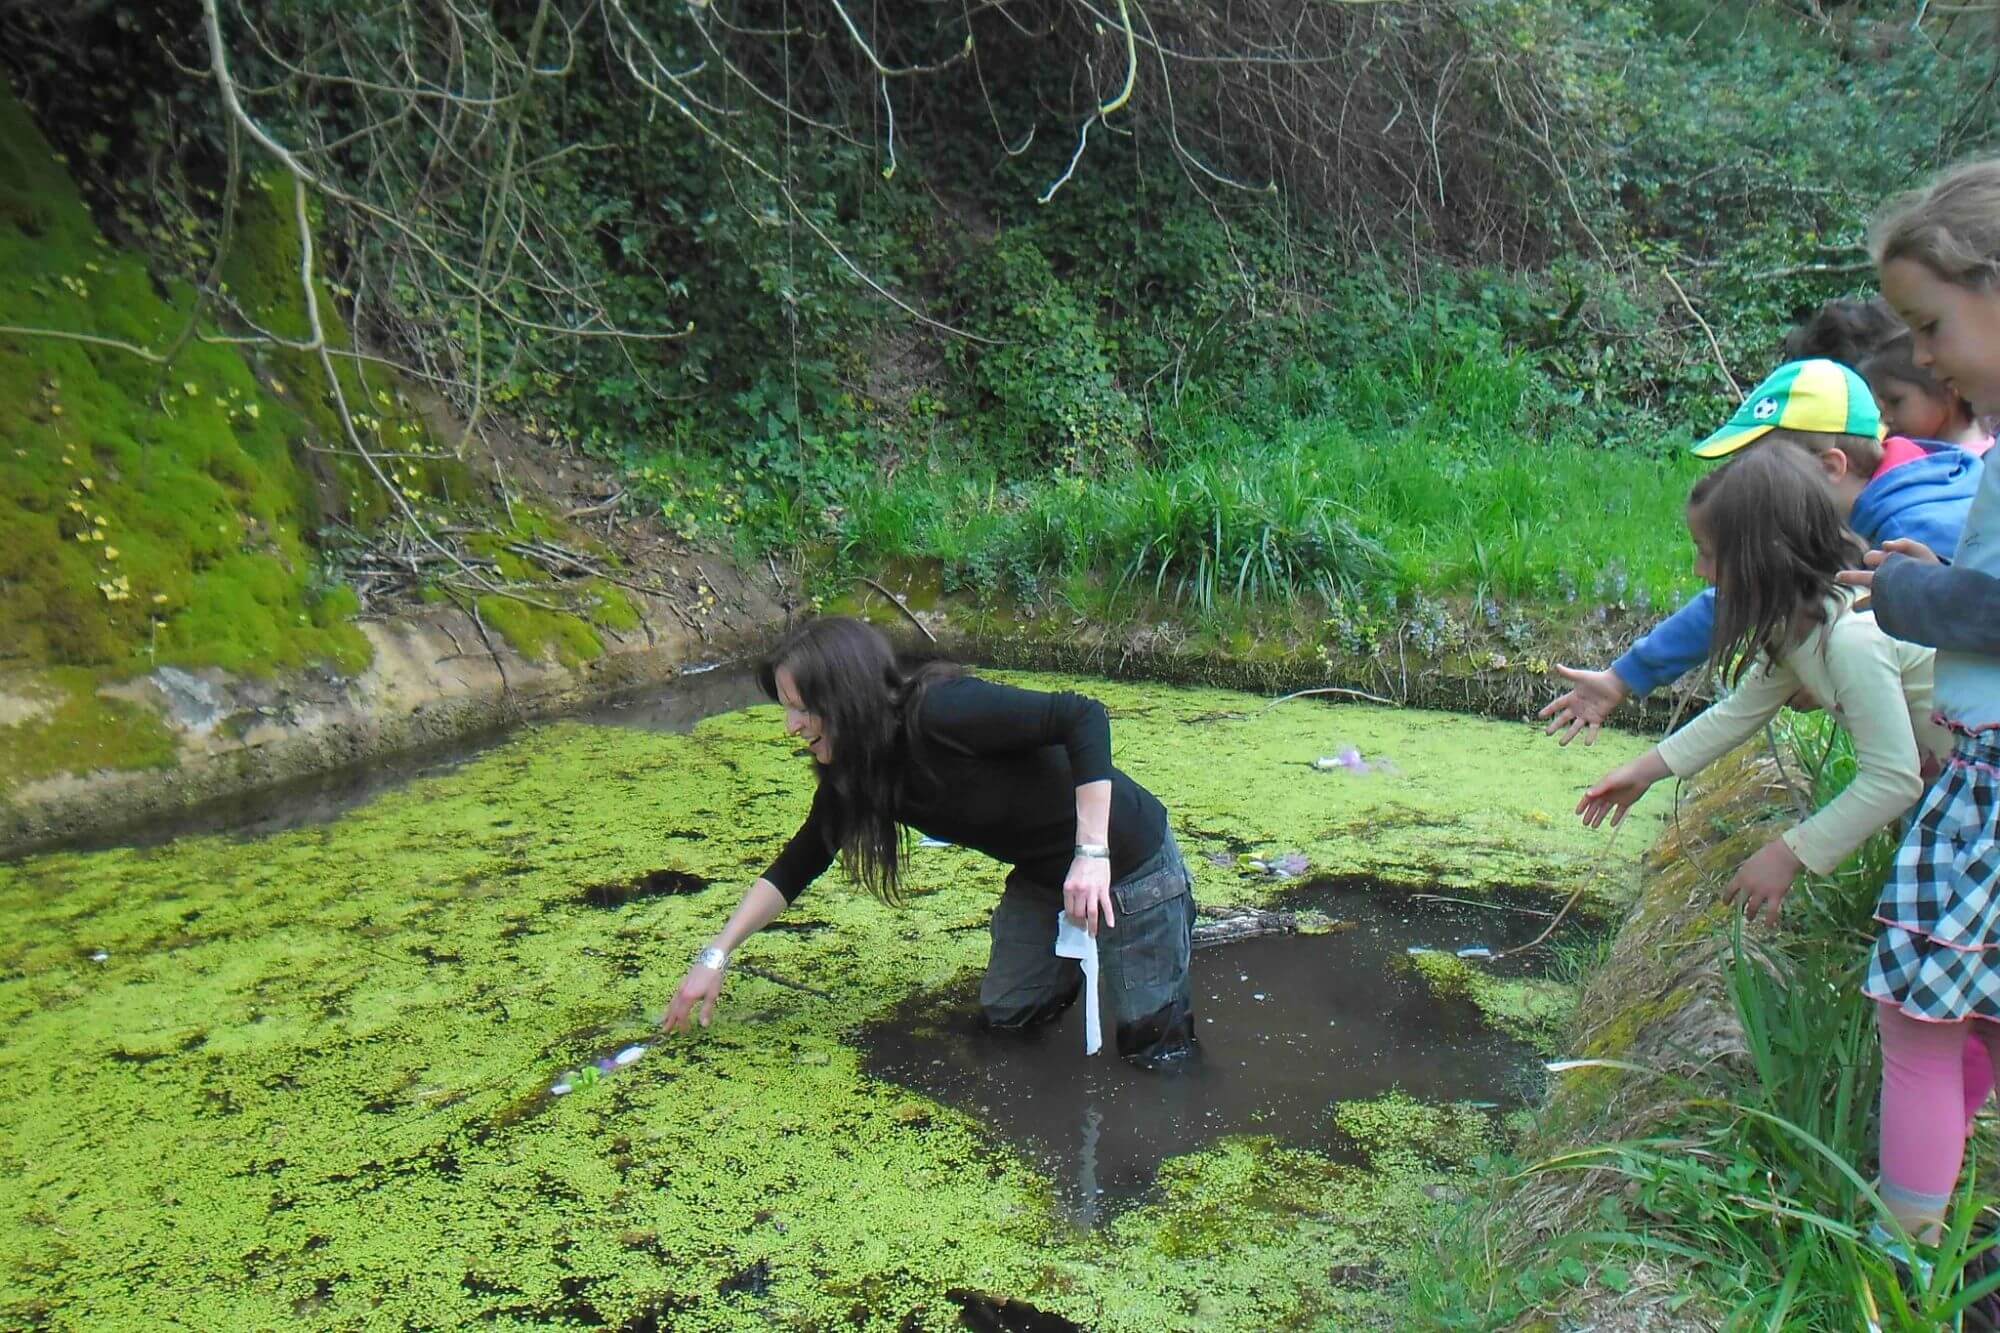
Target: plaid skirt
{"type": "Point", "coordinates": [1938, 956]}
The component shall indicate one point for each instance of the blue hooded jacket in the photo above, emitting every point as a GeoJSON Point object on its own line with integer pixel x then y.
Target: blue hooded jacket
{"type": "Point", "coordinates": [1925, 499]}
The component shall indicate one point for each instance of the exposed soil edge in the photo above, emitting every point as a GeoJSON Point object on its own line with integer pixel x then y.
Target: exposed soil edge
{"type": "Point", "coordinates": [436, 677]}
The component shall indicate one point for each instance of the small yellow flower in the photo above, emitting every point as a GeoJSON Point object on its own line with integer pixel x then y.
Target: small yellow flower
{"type": "Point", "coordinates": [190, 388]}
{"type": "Point", "coordinates": [110, 553]}
{"type": "Point", "coordinates": [159, 599]}
{"type": "Point", "coordinates": [253, 410]}
{"type": "Point", "coordinates": [88, 484]}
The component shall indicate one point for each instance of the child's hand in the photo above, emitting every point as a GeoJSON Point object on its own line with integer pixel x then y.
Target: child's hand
{"type": "Point", "coordinates": [1865, 578]}
{"type": "Point", "coordinates": [1592, 697]}
{"type": "Point", "coordinates": [1614, 794]}
{"type": "Point", "coordinates": [1761, 883]}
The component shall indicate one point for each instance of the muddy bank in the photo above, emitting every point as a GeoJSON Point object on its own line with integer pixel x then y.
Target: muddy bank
{"type": "Point", "coordinates": [1460, 657]}
{"type": "Point", "coordinates": [437, 677]}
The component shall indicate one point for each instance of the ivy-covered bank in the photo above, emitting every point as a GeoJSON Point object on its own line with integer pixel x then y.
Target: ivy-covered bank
{"type": "Point", "coordinates": [304, 1078]}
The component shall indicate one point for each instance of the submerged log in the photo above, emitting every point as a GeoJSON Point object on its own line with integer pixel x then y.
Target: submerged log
{"type": "Point", "coordinates": [1232, 925]}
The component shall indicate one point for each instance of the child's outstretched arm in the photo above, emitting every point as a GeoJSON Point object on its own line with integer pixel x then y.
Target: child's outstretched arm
{"type": "Point", "coordinates": [1720, 728]}
{"type": "Point", "coordinates": [1619, 790]}
{"type": "Point", "coordinates": [1674, 647]}
{"type": "Point", "coordinates": [1731, 720]}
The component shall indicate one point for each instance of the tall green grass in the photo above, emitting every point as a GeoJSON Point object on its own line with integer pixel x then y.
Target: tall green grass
{"type": "Point", "coordinates": [1756, 1194]}
{"type": "Point", "coordinates": [1838, 908]}
{"type": "Point", "coordinates": [1313, 508]}
{"type": "Point", "coordinates": [1755, 1199]}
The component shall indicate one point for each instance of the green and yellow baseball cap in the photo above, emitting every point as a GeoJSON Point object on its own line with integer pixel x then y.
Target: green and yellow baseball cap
{"type": "Point", "coordinates": [1820, 395]}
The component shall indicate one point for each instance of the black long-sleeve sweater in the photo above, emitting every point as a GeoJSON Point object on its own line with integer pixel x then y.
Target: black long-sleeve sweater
{"type": "Point", "coordinates": [1003, 766]}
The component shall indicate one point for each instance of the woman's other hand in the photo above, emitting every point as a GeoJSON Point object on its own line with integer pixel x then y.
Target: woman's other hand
{"type": "Point", "coordinates": [1087, 892]}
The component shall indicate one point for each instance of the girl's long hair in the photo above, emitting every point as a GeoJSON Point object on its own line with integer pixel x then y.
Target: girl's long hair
{"type": "Point", "coordinates": [867, 702]}
{"type": "Point", "coordinates": [1777, 537]}
{"type": "Point", "coordinates": [1951, 226]}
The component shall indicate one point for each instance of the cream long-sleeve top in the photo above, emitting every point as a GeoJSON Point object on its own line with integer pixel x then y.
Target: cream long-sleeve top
{"type": "Point", "coordinates": [1877, 687]}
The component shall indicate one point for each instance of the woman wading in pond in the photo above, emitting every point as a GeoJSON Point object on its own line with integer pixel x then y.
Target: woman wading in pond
{"type": "Point", "coordinates": [1023, 776]}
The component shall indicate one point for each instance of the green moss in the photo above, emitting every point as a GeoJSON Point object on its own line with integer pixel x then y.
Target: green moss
{"type": "Point", "coordinates": [153, 517]}
{"type": "Point", "coordinates": [1399, 1133]}
{"type": "Point", "coordinates": [261, 272]}
{"type": "Point", "coordinates": [610, 607]}
{"type": "Point", "coordinates": [309, 1075]}
{"type": "Point", "coordinates": [1534, 1009]}
{"type": "Point", "coordinates": [73, 731]}
{"type": "Point", "coordinates": [537, 633]}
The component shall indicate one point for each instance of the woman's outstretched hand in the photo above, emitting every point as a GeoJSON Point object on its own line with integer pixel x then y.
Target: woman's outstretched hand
{"type": "Point", "coordinates": [701, 987]}
{"type": "Point", "coordinates": [1087, 893]}
{"type": "Point", "coordinates": [1614, 795]}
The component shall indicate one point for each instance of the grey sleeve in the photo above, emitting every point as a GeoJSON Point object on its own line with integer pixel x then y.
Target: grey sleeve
{"type": "Point", "coordinates": [1942, 606]}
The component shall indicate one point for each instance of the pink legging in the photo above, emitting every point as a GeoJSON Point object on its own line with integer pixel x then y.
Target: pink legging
{"type": "Point", "coordinates": [1933, 1081]}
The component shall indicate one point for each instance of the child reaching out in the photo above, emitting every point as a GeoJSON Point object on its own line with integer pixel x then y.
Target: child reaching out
{"type": "Point", "coordinates": [1890, 489]}
{"type": "Point", "coordinates": [1769, 535]}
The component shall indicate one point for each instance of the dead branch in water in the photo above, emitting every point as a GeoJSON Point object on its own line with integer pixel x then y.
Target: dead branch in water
{"type": "Point", "coordinates": [900, 606]}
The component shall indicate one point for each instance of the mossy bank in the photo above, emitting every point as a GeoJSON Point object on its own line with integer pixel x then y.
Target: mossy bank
{"type": "Point", "coordinates": [175, 624]}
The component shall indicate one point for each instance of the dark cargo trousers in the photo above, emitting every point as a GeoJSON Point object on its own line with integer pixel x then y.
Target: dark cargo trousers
{"type": "Point", "coordinates": [1142, 961]}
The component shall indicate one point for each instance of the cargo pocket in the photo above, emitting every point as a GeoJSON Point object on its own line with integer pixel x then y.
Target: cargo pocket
{"type": "Point", "coordinates": [1154, 937]}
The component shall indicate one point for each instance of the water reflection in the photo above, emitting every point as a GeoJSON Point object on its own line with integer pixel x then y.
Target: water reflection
{"type": "Point", "coordinates": [1288, 1025]}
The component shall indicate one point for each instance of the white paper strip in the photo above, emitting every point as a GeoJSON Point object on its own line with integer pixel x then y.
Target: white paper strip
{"type": "Point", "coordinates": [1072, 941]}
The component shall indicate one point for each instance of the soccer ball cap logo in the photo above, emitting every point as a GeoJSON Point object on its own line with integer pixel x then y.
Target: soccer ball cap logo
{"type": "Point", "coordinates": [1765, 410]}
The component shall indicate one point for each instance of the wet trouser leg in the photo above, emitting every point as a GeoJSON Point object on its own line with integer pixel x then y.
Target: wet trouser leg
{"type": "Point", "coordinates": [1026, 984]}
{"type": "Point", "coordinates": [1143, 960]}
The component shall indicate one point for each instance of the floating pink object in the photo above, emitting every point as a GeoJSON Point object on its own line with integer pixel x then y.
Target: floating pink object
{"type": "Point", "coordinates": [1350, 759]}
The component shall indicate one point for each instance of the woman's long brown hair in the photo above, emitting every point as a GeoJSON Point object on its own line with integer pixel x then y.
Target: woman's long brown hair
{"type": "Point", "coordinates": [1778, 537]}
{"type": "Point", "coordinates": [848, 675]}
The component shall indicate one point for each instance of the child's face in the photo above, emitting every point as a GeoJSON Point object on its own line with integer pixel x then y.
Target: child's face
{"type": "Point", "coordinates": [1912, 411]}
{"type": "Point", "coordinates": [1704, 553]}
{"type": "Point", "coordinates": [1956, 330]}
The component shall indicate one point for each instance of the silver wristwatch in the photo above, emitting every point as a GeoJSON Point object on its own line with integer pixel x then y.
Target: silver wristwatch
{"type": "Point", "coordinates": [713, 957]}
{"type": "Point", "coordinates": [1096, 851]}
